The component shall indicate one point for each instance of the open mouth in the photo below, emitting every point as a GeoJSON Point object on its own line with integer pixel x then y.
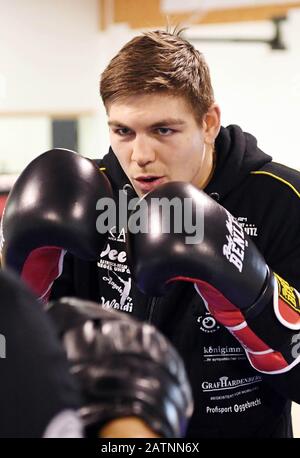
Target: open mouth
{"type": "Point", "coordinates": [147, 179]}
{"type": "Point", "coordinates": [148, 182]}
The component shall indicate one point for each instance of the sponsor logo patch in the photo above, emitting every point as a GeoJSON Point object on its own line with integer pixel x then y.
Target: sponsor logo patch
{"type": "Point", "coordinates": [288, 294]}
{"type": "Point", "coordinates": [207, 323]}
{"type": "Point", "coordinates": [225, 383]}
{"type": "Point", "coordinates": [249, 228]}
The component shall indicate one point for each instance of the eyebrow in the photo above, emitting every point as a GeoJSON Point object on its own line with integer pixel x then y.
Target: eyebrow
{"type": "Point", "coordinates": [162, 122]}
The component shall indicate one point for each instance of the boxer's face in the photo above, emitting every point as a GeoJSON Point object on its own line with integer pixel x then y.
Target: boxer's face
{"type": "Point", "coordinates": [157, 139]}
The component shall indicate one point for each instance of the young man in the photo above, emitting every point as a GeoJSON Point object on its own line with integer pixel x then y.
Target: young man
{"type": "Point", "coordinates": [165, 128]}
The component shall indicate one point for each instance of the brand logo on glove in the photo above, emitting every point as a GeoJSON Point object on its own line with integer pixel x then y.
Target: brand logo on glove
{"type": "Point", "coordinates": [234, 251]}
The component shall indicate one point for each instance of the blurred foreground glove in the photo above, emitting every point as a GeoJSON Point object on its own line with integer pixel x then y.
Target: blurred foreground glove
{"type": "Point", "coordinates": [38, 395]}
{"type": "Point", "coordinates": [124, 367]}
{"type": "Point", "coordinates": [51, 209]}
{"type": "Point", "coordinates": [257, 306]}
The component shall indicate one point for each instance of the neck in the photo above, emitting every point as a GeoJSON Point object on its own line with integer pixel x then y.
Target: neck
{"type": "Point", "coordinates": [207, 167]}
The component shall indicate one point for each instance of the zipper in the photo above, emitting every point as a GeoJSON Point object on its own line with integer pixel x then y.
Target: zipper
{"type": "Point", "coordinates": [152, 302]}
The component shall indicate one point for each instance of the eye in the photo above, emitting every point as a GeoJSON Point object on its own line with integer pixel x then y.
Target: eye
{"type": "Point", "coordinates": [164, 131]}
{"type": "Point", "coordinates": [122, 131]}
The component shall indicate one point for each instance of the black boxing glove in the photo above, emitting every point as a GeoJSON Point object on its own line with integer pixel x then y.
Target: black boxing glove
{"type": "Point", "coordinates": [239, 289]}
{"type": "Point", "coordinates": [38, 395]}
{"type": "Point", "coordinates": [51, 209]}
{"type": "Point", "coordinates": [124, 367]}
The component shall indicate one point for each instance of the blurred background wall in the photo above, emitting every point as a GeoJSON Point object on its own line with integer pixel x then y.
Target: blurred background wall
{"type": "Point", "coordinates": [53, 51]}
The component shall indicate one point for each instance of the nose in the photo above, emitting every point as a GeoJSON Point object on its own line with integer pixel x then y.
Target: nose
{"type": "Point", "coordinates": [142, 151]}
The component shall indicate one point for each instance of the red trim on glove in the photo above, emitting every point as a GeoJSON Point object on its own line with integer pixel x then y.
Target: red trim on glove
{"type": "Point", "coordinates": [41, 268]}
{"type": "Point", "coordinates": [224, 311]}
{"type": "Point", "coordinates": [268, 362]}
{"type": "Point", "coordinates": [261, 356]}
{"type": "Point", "coordinates": [287, 313]}
{"type": "Point", "coordinates": [249, 339]}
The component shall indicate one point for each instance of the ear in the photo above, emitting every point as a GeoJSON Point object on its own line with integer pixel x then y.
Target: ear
{"type": "Point", "coordinates": [211, 124]}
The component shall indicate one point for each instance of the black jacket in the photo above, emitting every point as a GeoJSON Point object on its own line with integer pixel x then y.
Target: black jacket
{"type": "Point", "coordinates": [231, 398]}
